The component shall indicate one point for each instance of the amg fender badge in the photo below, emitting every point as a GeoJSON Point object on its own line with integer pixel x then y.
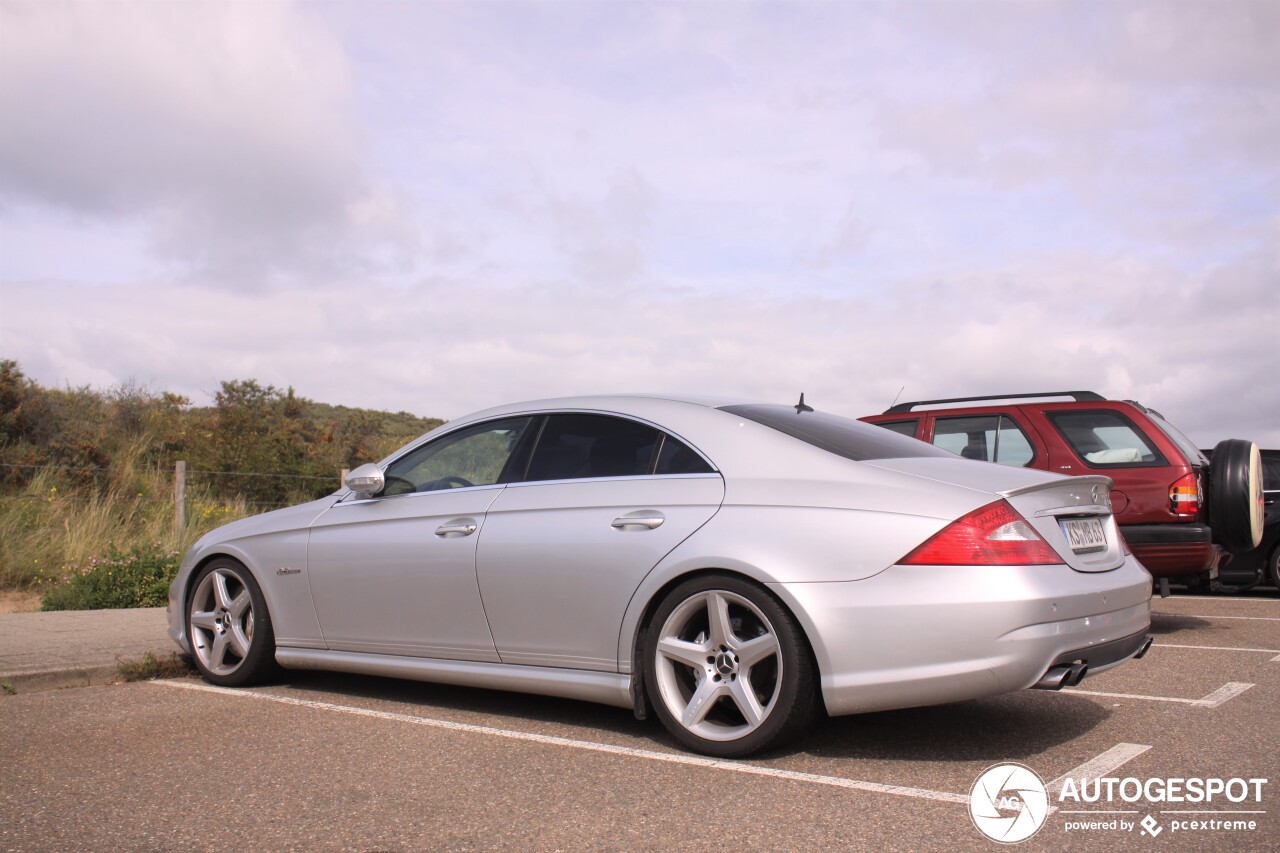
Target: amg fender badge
{"type": "Point", "coordinates": [285, 570]}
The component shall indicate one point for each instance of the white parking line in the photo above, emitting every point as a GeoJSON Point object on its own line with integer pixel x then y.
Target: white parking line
{"type": "Point", "coordinates": [1096, 768]}
{"type": "Point", "coordinates": [1222, 599]}
{"type": "Point", "coordinates": [551, 740]}
{"type": "Point", "coordinates": [1204, 616]}
{"type": "Point", "coordinates": [1225, 693]}
{"type": "Point", "coordinates": [1275, 652]}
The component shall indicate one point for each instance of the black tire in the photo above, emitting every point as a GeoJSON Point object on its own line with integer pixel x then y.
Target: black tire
{"type": "Point", "coordinates": [1235, 495]}
{"type": "Point", "coordinates": [1273, 565]}
{"type": "Point", "coordinates": [232, 641]}
{"type": "Point", "coordinates": [705, 679]}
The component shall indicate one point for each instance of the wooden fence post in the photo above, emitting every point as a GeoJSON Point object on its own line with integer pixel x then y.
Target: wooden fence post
{"type": "Point", "coordinates": [179, 497]}
{"type": "Point", "coordinates": [342, 477]}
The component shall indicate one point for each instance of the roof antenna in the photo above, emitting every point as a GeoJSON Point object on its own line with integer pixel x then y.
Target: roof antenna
{"type": "Point", "coordinates": [895, 399]}
{"type": "Point", "coordinates": [801, 407]}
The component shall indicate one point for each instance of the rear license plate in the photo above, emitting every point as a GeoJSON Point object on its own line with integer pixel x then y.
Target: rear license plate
{"type": "Point", "coordinates": [1085, 535]}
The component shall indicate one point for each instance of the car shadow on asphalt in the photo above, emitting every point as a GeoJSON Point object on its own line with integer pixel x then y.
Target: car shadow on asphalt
{"type": "Point", "coordinates": [1003, 727]}
{"type": "Point", "coordinates": [1171, 623]}
{"type": "Point", "coordinates": [1016, 725]}
{"type": "Point", "coordinates": [426, 696]}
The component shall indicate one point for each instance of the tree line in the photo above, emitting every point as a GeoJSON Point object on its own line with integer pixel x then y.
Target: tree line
{"type": "Point", "coordinates": [251, 430]}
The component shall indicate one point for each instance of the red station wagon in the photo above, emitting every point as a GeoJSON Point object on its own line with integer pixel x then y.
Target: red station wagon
{"type": "Point", "coordinates": [1181, 515]}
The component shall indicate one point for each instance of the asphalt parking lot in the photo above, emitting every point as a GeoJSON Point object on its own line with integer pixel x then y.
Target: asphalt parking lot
{"type": "Point", "coordinates": [327, 762]}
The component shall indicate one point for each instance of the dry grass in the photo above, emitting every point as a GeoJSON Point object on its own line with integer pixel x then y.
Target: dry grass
{"type": "Point", "coordinates": [151, 667]}
{"type": "Point", "coordinates": [53, 523]}
{"type": "Point", "coordinates": [19, 601]}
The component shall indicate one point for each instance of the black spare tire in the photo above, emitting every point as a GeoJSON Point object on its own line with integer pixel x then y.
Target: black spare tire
{"type": "Point", "coordinates": [1235, 495]}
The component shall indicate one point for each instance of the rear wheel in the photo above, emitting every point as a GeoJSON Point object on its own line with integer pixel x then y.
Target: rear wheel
{"type": "Point", "coordinates": [727, 669]}
{"type": "Point", "coordinates": [1235, 495]}
{"type": "Point", "coordinates": [232, 641]}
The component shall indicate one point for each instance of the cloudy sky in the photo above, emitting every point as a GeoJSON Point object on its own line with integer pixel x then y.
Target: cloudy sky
{"type": "Point", "coordinates": [437, 207]}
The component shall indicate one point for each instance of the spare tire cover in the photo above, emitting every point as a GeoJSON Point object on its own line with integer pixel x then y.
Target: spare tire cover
{"type": "Point", "coordinates": [1235, 495]}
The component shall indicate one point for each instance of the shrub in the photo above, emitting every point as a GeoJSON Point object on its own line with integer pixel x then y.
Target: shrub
{"type": "Point", "coordinates": [139, 577]}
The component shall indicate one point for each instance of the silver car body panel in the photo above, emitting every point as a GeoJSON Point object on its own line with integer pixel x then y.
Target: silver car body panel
{"type": "Point", "coordinates": [523, 553]}
{"type": "Point", "coordinates": [607, 688]}
{"type": "Point", "coordinates": [387, 575]}
{"type": "Point", "coordinates": [548, 592]}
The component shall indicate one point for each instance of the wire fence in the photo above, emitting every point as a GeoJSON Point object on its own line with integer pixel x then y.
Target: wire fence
{"type": "Point", "coordinates": [189, 471]}
{"type": "Point", "coordinates": [181, 473]}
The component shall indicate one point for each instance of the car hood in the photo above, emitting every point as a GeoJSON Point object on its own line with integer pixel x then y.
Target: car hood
{"type": "Point", "coordinates": [289, 518]}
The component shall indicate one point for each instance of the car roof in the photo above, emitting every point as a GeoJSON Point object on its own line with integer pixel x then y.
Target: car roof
{"type": "Point", "coordinates": [607, 402]}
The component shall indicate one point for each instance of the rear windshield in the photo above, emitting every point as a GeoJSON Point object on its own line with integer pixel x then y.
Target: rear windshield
{"type": "Point", "coordinates": [1186, 445]}
{"type": "Point", "coordinates": [842, 436]}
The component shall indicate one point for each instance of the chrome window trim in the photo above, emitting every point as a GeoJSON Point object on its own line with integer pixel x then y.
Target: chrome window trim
{"type": "Point", "coordinates": [713, 475]}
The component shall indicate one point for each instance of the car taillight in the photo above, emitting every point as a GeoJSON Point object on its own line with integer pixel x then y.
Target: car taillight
{"type": "Point", "coordinates": [1184, 496]}
{"type": "Point", "coordinates": [992, 535]}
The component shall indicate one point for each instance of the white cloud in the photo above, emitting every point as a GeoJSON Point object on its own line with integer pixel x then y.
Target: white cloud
{"type": "Point", "coordinates": [460, 204]}
{"type": "Point", "coordinates": [228, 129]}
{"type": "Point", "coordinates": [448, 346]}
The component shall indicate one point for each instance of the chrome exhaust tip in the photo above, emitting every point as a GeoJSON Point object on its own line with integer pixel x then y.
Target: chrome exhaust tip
{"type": "Point", "coordinates": [1146, 647]}
{"type": "Point", "coordinates": [1054, 679]}
{"type": "Point", "coordinates": [1075, 674]}
{"type": "Point", "coordinates": [1058, 677]}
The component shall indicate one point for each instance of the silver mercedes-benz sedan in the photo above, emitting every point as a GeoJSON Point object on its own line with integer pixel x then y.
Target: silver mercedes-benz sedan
{"type": "Point", "coordinates": [733, 569]}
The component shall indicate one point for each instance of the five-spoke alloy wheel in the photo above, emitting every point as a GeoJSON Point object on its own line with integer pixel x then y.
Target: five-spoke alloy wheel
{"type": "Point", "coordinates": [231, 636]}
{"type": "Point", "coordinates": [726, 668]}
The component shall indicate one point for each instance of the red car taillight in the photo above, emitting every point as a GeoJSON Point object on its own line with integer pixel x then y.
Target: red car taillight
{"type": "Point", "coordinates": [993, 535]}
{"type": "Point", "coordinates": [1184, 496]}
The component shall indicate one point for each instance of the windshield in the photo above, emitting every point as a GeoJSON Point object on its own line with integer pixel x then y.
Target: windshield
{"type": "Point", "coordinates": [842, 436]}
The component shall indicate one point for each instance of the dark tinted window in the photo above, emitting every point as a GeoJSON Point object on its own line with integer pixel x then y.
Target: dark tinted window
{"type": "Point", "coordinates": [676, 457]}
{"type": "Point", "coordinates": [1270, 471]}
{"type": "Point", "coordinates": [576, 446]}
{"type": "Point", "coordinates": [842, 436]}
{"type": "Point", "coordinates": [907, 428]}
{"type": "Point", "coordinates": [1105, 439]}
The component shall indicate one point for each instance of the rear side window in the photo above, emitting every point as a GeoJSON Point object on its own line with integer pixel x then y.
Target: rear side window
{"type": "Point", "coordinates": [842, 436]}
{"type": "Point", "coordinates": [576, 446]}
{"type": "Point", "coordinates": [676, 457]}
{"type": "Point", "coordinates": [907, 428]}
{"type": "Point", "coordinates": [988, 438]}
{"type": "Point", "coordinates": [1105, 439]}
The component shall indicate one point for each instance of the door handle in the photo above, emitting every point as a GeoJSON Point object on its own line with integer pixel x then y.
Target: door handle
{"type": "Point", "coordinates": [465, 528]}
{"type": "Point", "coordinates": [649, 521]}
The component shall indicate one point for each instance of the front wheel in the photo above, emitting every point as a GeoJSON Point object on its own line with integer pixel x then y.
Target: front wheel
{"type": "Point", "coordinates": [232, 641]}
{"type": "Point", "coordinates": [727, 669]}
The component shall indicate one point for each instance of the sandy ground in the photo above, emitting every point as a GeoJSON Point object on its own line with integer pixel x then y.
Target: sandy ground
{"type": "Point", "coordinates": [18, 601]}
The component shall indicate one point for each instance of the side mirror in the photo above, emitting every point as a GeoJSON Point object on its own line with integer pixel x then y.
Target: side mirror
{"type": "Point", "coordinates": [366, 480]}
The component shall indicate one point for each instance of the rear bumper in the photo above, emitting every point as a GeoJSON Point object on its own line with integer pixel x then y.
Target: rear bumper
{"type": "Point", "coordinates": [923, 635]}
{"type": "Point", "coordinates": [1168, 550]}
